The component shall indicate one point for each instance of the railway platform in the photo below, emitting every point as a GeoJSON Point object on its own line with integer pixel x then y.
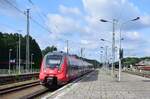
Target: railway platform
{"type": "Point", "coordinates": [101, 85]}
{"type": "Point", "coordinates": [14, 78]}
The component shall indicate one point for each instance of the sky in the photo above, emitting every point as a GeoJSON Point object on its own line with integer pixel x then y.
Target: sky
{"type": "Point", "coordinates": [78, 21]}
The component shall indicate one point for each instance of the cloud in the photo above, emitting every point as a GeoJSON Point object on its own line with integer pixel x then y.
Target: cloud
{"type": "Point", "coordinates": [110, 8]}
{"type": "Point", "coordinates": [61, 24]}
{"type": "Point", "coordinates": [122, 10]}
{"type": "Point", "coordinates": [69, 10]}
{"type": "Point", "coordinates": [84, 42]}
{"type": "Point", "coordinates": [134, 44]}
{"type": "Point", "coordinates": [87, 30]}
{"type": "Point", "coordinates": [132, 35]}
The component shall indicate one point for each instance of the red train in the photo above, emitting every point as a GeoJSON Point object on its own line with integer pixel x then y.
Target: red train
{"type": "Point", "coordinates": [58, 68]}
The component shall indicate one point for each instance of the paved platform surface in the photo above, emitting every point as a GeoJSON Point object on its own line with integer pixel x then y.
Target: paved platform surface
{"type": "Point", "coordinates": [100, 85]}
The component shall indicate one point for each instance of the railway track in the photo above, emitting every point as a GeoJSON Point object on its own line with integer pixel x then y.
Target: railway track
{"type": "Point", "coordinates": [35, 94]}
{"type": "Point", "coordinates": [23, 91]}
{"type": "Point", "coordinates": [26, 91]}
{"type": "Point", "coordinates": [17, 88]}
{"type": "Point", "coordinates": [14, 78]}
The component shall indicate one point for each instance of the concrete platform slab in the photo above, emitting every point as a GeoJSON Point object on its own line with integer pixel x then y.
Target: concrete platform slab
{"type": "Point", "coordinates": [100, 85]}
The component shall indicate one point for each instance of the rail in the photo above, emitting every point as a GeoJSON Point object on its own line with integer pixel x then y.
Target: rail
{"type": "Point", "coordinates": [18, 87]}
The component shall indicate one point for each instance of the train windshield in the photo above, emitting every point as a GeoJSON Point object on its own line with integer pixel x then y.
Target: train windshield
{"type": "Point", "coordinates": [53, 61]}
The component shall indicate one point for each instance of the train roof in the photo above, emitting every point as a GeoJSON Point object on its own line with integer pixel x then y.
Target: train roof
{"type": "Point", "coordinates": [57, 53]}
{"type": "Point", "coordinates": [73, 56]}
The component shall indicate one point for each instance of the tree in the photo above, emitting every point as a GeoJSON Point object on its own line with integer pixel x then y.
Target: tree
{"type": "Point", "coordinates": [130, 61]}
{"type": "Point", "coordinates": [10, 41]}
{"type": "Point", "coordinates": [37, 53]}
{"type": "Point", "coordinates": [48, 49]}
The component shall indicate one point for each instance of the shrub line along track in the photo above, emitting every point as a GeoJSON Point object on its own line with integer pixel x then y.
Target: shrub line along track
{"type": "Point", "coordinates": [18, 87]}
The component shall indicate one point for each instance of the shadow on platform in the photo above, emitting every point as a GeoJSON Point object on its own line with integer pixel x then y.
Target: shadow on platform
{"type": "Point", "coordinates": [146, 80]}
{"type": "Point", "coordinates": [93, 76]}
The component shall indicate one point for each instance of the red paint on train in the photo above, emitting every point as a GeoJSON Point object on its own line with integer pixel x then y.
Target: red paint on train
{"type": "Point", "coordinates": [58, 68]}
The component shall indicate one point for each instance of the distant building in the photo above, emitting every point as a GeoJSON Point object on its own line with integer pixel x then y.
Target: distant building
{"type": "Point", "coordinates": [143, 65]}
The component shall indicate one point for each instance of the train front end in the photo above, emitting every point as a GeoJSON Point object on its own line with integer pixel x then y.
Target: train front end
{"type": "Point", "coordinates": [53, 69]}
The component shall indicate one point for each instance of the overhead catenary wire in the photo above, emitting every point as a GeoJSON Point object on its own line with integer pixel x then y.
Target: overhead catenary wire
{"type": "Point", "coordinates": [41, 14]}
{"type": "Point", "coordinates": [8, 26]}
{"type": "Point", "coordinates": [22, 12]}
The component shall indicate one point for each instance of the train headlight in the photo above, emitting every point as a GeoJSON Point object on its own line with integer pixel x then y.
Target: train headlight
{"type": "Point", "coordinates": [59, 71]}
{"type": "Point", "coordinates": [44, 71]}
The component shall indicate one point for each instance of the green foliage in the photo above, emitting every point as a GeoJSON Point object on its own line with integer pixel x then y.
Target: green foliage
{"type": "Point", "coordinates": [37, 54]}
{"type": "Point", "coordinates": [133, 60]}
{"type": "Point", "coordinates": [130, 61]}
{"type": "Point", "coordinates": [48, 49]}
{"type": "Point", "coordinates": [10, 41]}
{"type": "Point", "coordinates": [145, 58]}
{"type": "Point", "coordinates": [95, 63]}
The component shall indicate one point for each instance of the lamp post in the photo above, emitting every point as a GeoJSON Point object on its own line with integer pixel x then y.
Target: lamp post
{"type": "Point", "coordinates": [31, 60]}
{"type": "Point", "coordinates": [28, 41]}
{"type": "Point", "coordinates": [19, 54]}
{"type": "Point", "coordinates": [102, 53]}
{"type": "Point", "coordinates": [105, 56]}
{"type": "Point", "coordinates": [112, 51]}
{"type": "Point", "coordinates": [114, 21]}
{"type": "Point", "coordinates": [19, 50]}
{"type": "Point", "coordinates": [106, 49]}
{"type": "Point", "coordinates": [10, 50]}
{"type": "Point", "coordinates": [120, 49]}
{"type": "Point", "coordinates": [106, 40]}
{"type": "Point", "coordinates": [17, 67]}
{"type": "Point", "coordinates": [67, 46]}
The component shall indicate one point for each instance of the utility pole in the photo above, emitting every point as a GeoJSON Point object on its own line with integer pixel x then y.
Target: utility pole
{"type": "Point", "coordinates": [113, 47]}
{"type": "Point", "coordinates": [81, 52]}
{"type": "Point", "coordinates": [28, 42]}
{"type": "Point", "coordinates": [10, 50]}
{"type": "Point", "coordinates": [101, 60]}
{"type": "Point", "coordinates": [67, 48]}
{"type": "Point", "coordinates": [113, 41]}
{"type": "Point", "coordinates": [19, 51]}
{"type": "Point", "coordinates": [31, 61]}
{"type": "Point", "coordinates": [102, 54]}
{"type": "Point", "coordinates": [121, 49]}
{"type": "Point", "coordinates": [106, 57]}
{"type": "Point", "coordinates": [17, 67]}
{"type": "Point", "coordinates": [82, 49]}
